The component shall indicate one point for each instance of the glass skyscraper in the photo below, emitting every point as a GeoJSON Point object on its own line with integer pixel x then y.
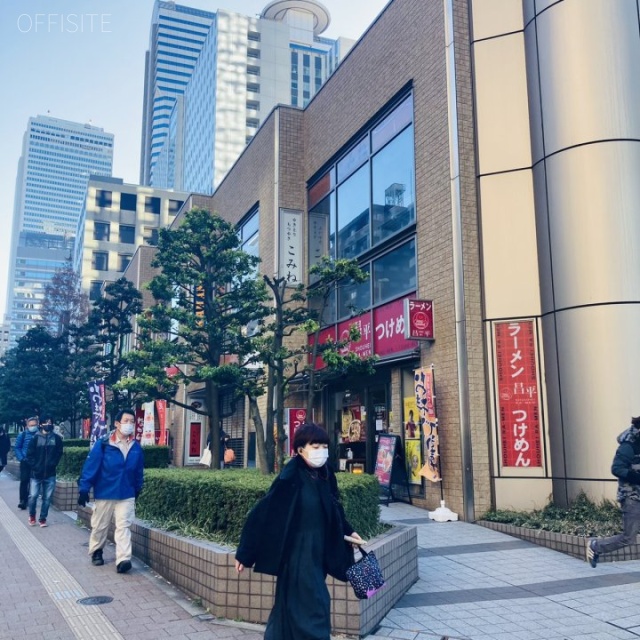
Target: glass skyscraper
{"type": "Point", "coordinates": [57, 158]}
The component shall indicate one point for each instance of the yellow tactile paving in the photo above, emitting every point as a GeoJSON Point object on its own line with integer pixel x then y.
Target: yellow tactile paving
{"type": "Point", "coordinates": [86, 622]}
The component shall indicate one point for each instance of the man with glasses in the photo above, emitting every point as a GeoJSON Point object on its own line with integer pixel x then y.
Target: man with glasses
{"type": "Point", "coordinates": [114, 469]}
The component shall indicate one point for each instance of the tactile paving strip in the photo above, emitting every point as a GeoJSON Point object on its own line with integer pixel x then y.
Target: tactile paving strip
{"type": "Point", "coordinates": [86, 623]}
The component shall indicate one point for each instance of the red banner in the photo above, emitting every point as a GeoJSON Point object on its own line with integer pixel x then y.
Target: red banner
{"type": "Point", "coordinates": [326, 334]}
{"type": "Point", "coordinates": [86, 427]}
{"type": "Point", "coordinates": [364, 346]}
{"type": "Point", "coordinates": [518, 398]}
{"type": "Point", "coordinates": [418, 319]}
{"type": "Point", "coordinates": [195, 435]}
{"type": "Point", "coordinates": [388, 323]}
{"type": "Point", "coordinates": [161, 409]}
{"type": "Point", "coordinates": [139, 423]}
{"type": "Point", "coordinates": [295, 418]}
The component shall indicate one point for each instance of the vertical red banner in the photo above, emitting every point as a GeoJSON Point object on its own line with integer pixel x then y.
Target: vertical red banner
{"type": "Point", "coordinates": [295, 418]}
{"type": "Point", "coordinates": [139, 423]}
{"type": "Point", "coordinates": [518, 397]}
{"type": "Point", "coordinates": [161, 409]}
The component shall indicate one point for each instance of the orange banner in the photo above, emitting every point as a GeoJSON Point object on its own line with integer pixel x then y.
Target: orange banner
{"type": "Point", "coordinates": [161, 408]}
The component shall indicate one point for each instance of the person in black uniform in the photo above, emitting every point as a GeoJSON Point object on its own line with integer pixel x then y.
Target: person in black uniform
{"type": "Point", "coordinates": [296, 532]}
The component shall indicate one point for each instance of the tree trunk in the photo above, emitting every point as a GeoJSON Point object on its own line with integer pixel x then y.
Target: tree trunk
{"type": "Point", "coordinates": [212, 394]}
{"type": "Point", "coordinates": [268, 436]}
{"type": "Point", "coordinates": [254, 413]}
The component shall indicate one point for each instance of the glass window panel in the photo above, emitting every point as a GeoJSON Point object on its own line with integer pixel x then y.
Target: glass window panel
{"type": "Point", "coordinates": [397, 120]}
{"type": "Point", "coordinates": [329, 315]}
{"type": "Point", "coordinates": [103, 198]}
{"type": "Point", "coordinates": [252, 245]}
{"type": "Point", "coordinates": [100, 261]}
{"type": "Point", "coordinates": [95, 290]}
{"type": "Point", "coordinates": [152, 205]}
{"type": "Point", "coordinates": [127, 234]}
{"type": "Point", "coordinates": [353, 159]}
{"type": "Point", "coordinates": [174, 206]}
{"type": "Point", "coordinates": [393, 187]}
{"type": "Point", "coordinates": [395, 273]}
{"type": "Point", "coordinates": [123, 261]}
{"type": "Point", "coordinates": [128, 201]}
{"type": "Point", "coordinates": [353, 214]}
{"type": "Point", "coordinates": [250, 227]}
{"type": "Point", "coordinates": [322, 230]}
{"type": "Point", "coordinates": [354, 298]}
{"type": "Point", "coordinates": [101, 231]}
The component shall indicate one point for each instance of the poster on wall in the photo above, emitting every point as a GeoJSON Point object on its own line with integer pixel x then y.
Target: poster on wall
{"type": "Point", "coordinates": [425, 400]}
{"type": "Point", "coordinates": [517, 394]}
{"type": "Point", "coordinates": [295, 418]}
{"type": "Point", "coordinates": [195, 437]}
{"type": "Point", "coordinates": [413, 456]}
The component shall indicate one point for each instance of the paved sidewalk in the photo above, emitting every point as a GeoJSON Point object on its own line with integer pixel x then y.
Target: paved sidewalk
{"type": "Point", "coordinates": [478, 584]}
{"type": "Point", "coordinates": [475, 584]}
{"type": "Point", "coordinates": [44, 572]}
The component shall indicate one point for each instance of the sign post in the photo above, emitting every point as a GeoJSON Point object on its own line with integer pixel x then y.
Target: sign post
{"type": "Point", "coordinates": [390, 467]}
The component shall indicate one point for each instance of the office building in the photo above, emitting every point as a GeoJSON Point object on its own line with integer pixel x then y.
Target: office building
{"type": "Point", "coordinates": [57, 158]}
{"type": "Point", "coordinates": [481, 155]}
{"type": "Point", "coordinates": [116, 219]}
{"type": "Point", "coordinates": [245, 66]}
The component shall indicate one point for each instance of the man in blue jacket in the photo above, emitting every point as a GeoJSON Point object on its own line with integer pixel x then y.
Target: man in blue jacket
{"type": "Point", "coordinates": [21, 447]}
{"type": "Point", "coordinates": [114, 469]}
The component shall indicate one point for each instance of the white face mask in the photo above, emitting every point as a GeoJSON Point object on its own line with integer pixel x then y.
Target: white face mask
{"type": "Point", "coordinates": [32, 429]}
{"type": "Point", "coordinates": [316, 457]}
{"type": "Point", "coordinates": [126, 428]}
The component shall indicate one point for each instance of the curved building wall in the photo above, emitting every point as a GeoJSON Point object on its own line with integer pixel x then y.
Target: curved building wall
{"type": "Point", "coordinates": [584, 97]}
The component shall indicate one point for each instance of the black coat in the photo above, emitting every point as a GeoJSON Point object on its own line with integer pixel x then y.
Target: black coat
{"type": "Point", "coordinates": [5, 444]}
{"type": "Point", "coordinates": [271, 523]}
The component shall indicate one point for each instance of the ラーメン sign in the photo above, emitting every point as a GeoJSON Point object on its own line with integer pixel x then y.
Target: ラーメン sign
{"type": "Point", "coordinates": [418, 319]}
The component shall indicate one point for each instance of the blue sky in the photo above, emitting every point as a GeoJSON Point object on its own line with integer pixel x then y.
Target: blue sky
{"type": "Point", "coordinates": [83, 60]}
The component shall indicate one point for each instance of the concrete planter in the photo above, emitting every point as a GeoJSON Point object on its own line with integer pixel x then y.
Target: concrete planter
{"type": "Point", "coordinates": [571, 545]}
{"type": "Point", "coordinates": [206, 571]}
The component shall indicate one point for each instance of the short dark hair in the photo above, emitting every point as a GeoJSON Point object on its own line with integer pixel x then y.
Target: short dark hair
{"type": "Point", "coordinates": [635, 421]}
{"type": "Point", "coordinates": [129, 412]}
{"type": "Point", "coordinates": [45, 418]}
{"type": "Point", "coordinates": [309, 433]}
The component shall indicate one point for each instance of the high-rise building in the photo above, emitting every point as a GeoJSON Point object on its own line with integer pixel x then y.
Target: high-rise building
{"type": "Point", "coordinates": [244, 68]}
{"type": "Point", "coordinates": [175, 40]}
{"type": "Point", "coordinates": [116, 219]}
{"type": "Point", "coordinates": [57, 158]}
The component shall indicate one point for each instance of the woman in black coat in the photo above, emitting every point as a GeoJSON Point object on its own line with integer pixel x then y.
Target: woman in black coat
{"type": "Point", "coordinates": [5, 446]}
{"type": "Point", "coordinates": [296, 532]}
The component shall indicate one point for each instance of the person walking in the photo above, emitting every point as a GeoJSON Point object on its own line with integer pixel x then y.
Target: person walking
{"type": "Point", "coordinates": [115, 471]}
{"type": "Point", "coordinates": [5, 447]}
{"type": "Point", "coordinates": [296, 532]}
{"type": "Point", "coordinates": [43, 455]}
{"type": "Point", "coordinates": [20, 448]}
{"type": "Point", "coordinates": [626, 467]}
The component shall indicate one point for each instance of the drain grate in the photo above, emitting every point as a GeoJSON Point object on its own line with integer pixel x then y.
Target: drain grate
{"type": "Point", "coordinates": [95, 600]}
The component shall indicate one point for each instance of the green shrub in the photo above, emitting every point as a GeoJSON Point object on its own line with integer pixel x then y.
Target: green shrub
{"type": "Point", "coordinates": [218, 502]}
{"type": "Point", "coordinates": [581, 518]}
{"type": "Point", "coordinates": [76, 442]}
{"type": "Point", "coordinates": [70, 466]}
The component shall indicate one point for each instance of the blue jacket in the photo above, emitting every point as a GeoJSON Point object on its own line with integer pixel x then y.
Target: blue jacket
{"type": "Point", "coordinates": [111, 475]}
{"type": "Point", "coordinates": [21, 445]}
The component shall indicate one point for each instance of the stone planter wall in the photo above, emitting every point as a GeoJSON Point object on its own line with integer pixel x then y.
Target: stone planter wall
{"type": "Point", "coordinates": [571, 545]}
{"type": "Point", "coordinates": [206, 571]}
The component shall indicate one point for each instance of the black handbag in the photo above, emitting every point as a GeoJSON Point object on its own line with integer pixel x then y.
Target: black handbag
{"type": "Point", "coordinates": [365, 576]}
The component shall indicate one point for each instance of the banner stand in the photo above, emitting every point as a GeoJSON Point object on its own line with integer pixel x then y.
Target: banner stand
{"type": "Point", "coordinates": [391, 469]}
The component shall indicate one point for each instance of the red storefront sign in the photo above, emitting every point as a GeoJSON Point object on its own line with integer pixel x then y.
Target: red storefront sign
{"type": "Point", "coordinates": [364, 346]}
{"type": "Point", "coordinates": [388, 330]}
{"type": "Point", "coordinates": [418, 319]}
{"type": "Point", "coordinates": [295, 418]}
{"type": "Point", "coordinates": [195, 435]}
{"type": "Point", "coordinates": [518, 397]}
{"type": "Point", "coordinates": [326, 334]}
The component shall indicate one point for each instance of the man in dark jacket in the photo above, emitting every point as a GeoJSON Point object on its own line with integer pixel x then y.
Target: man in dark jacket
{"type": "Point", "coordinates": [626, 467]}
{"type": "Point", "coordinates": [115, 470]}
{"type": "Point", "coordinates": [43, 455]}
{"type": "Point", "coordinates": [20, 448]}
{"type": "Point", "coordinates": [5, 446]}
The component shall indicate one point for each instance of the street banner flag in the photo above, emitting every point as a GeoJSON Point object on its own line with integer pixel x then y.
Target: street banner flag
{"type": "Point", "coordinates": [98, 411]}
{"type": "Point", "coordinates": [149, 428]}
{"type": "Point", "coordinates": [425, 399]}
{"type": "Point", "coordinates": [161, 408]}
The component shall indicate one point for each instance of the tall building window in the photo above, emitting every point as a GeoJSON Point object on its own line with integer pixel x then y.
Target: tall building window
{"type": "Point", "coordinates": [101, 231]}
{"type": "Point", "coordinates": [100, 261]}
{"type": "Point", "coordinates": [103, 199]}
{"type": "Point", "coordinates": [123, 261]}
{"type": "Point", "coordinates": [152, 205]}
{"type": "Point", "coordinates": [363, 206]}
{"type": "Point", "coordinates": [128, 201]}
{"type": "Point", "coordinates": [150, 235]}
{"type": "Point", "coordinates": [127, 234]}
{"type": "Point", "coordinates": [95, 289]}
{"type": "Point", "coordinates": [249, 233]}
{"type": "Point", "coordinates": [174, 206]}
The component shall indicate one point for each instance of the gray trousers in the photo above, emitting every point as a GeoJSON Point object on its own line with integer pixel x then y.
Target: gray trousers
{"type": "Point", "coordinates": [630, 528]}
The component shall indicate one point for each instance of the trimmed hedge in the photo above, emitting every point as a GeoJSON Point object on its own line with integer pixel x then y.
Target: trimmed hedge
{"type": "Point", "coordinates": [76, 442]}
{"type": "Point", "coordinates": [218, 502]}
{"type": "Point", "coordinates": [70, 466]}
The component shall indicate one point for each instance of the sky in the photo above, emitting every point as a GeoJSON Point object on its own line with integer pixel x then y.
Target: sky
{"type": "Point", "coordinates": [83, 60]}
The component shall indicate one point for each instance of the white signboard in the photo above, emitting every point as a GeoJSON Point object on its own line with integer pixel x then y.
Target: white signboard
{"type": "Point", "coordinates": [291, 246]}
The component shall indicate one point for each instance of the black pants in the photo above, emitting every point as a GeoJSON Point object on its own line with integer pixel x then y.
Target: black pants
{"type": "Point", "coordinates": [25, 478]}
